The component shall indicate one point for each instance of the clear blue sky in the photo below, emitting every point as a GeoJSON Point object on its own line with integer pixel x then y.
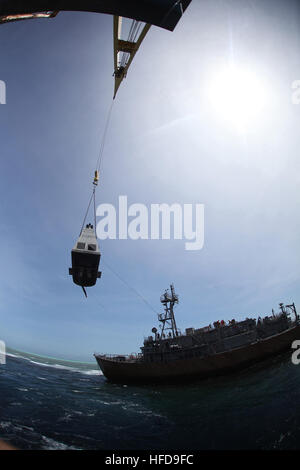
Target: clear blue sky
{"type": "Point", "coordinates": [165, 143]}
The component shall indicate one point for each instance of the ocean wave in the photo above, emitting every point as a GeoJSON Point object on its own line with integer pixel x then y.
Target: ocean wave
{"type": "Point", "coordinates": [74, 369]}
{"type": "Point", "coordinates": [51, 444]}
{"type": "Point", "coordinates": [71, 369]}
{"type": "Point", "coordinates": [13, 355]}
{"type": "Point", "coordinates": [15, 426]}
{"type": "Point", "coordinates": [91, 372]}
{"type": "Point", "coordinates": [55, 366]}
{"type": "Point", "coordinates": [59, 366]}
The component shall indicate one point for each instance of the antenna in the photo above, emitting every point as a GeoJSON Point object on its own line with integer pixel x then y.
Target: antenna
{"type": "Point", "coordinates": [292, 308]}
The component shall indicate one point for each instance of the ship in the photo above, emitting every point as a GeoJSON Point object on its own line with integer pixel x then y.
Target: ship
{"type": "Point", "coordinates": [217, 349]}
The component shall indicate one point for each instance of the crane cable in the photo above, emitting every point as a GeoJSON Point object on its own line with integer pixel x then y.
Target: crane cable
{"type": "Point", "coordinates": [100, 157]}
{"type": "Point", "coordinates": [97, 170]}
{"type": "Point", "coordinates": [133, 33]}
{"type": "Point", "coordinates": [130, 287]}
{"type": "Point", "coordinates": [87, 211]}
{"type": "Point", "coordinates": [132, 36]}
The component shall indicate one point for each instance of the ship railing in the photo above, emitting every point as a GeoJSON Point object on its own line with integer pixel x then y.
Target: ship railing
{"type": "Point", "coordinates": [166, 336]}
{"type": "Point", "coordinates": [133, 357]}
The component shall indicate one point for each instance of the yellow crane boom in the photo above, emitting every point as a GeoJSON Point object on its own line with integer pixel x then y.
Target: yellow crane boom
{"type": "Point", "coordinates": [129, 47]}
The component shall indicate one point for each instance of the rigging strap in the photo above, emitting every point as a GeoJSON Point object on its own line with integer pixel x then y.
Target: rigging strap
{"type": "Point", "coordinates": [87, 211]}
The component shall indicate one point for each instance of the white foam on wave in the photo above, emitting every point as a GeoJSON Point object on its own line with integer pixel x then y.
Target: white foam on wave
{"type": "Point", "coordinates": [13, 355]}
{"type": "Point", "coordinates": [15, 426]}
{"type": "Point", "coordinates": [55, 366]}
{"type": "Point", "coordinates": [71, 369]}
{"type": "Point", "coordinates": [60, 366]}
{"type": "Point", "coordinates": [51, 444]}
{"type": "Point", "coordinates": [91, 372]}
{"type": "Point", "coordinates": [4, 424]}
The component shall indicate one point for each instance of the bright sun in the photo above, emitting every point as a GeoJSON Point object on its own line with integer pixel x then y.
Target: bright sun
{"type": "Point", "coordinates": [238, 96]}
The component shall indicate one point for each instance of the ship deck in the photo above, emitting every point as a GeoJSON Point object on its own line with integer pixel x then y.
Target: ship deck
{"type": "Point", "coordinates": [131, 368]}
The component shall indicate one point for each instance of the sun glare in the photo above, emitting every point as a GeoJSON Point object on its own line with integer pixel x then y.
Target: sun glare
{"type": "Point", "coordinates": [238, 96]}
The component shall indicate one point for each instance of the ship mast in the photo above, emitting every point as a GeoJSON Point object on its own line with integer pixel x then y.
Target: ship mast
{"type": "Point", "coordinates": [168, 299]}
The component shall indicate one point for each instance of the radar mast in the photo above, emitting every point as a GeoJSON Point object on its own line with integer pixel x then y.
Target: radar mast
{"type": "Point", "coordinates": [168, 299]}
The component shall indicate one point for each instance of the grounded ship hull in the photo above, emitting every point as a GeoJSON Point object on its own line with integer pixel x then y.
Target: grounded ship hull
{"type": "Point", "coordinates": [139, 370]}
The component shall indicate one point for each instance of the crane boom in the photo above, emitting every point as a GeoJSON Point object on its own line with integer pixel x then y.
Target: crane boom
{"type": "Point", "coordinates": [162, 13]}
{"type": "Point", "coordinates": [128, 47]}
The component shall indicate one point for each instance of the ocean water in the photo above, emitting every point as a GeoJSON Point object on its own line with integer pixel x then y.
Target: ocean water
{"type": "Point", "coordinates": [53, 404]}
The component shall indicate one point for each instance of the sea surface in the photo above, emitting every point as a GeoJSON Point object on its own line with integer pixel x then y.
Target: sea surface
{"type": "Point", "coordinates": [54, 404]}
